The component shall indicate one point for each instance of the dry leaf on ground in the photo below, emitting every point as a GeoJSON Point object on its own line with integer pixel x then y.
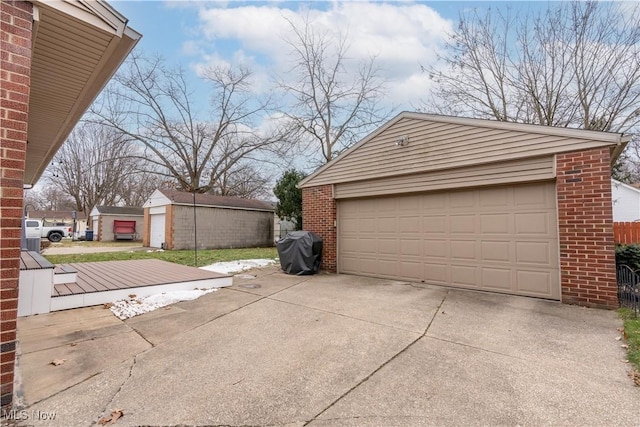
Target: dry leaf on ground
{"type": "Point", "coordinates": [57, 362]}
{"type": "Point", "coordinates": [115, 414]}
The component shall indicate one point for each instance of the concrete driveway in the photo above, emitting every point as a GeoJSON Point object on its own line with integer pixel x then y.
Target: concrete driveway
{"type": "Point", "coordinates": [330, 350]}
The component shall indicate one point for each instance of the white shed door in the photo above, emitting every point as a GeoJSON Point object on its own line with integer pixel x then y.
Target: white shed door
{"type": "Point", "coordinates": [500, 239]}
{"type": "Point", "coordinates": [157, 230]}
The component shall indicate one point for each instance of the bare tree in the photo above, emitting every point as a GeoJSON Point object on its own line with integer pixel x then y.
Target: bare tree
{"type": "Point", "coordinates": [246, 179]}
{"type": "Point", "coordinates": [48, 198]}
{"type": "Point", "coordinates": [576, 65]}
{"type": "Point", "coordinates": [154, 105]}
{"type": "Point", "coordinates": [332, 106]}
{"type": "Point", "coordinates": [93, 165]}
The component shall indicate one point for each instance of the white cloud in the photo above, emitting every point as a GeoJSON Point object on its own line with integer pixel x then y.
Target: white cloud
{"type": "Point", "coordinates": [401, 36]}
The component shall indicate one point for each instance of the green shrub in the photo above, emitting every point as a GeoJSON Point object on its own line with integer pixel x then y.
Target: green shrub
{"type": "Point", "coordinates": [628, 255]}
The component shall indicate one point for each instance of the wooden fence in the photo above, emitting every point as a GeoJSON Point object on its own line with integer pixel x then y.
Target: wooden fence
{"type": "Point", "coordinates": [626, 232]}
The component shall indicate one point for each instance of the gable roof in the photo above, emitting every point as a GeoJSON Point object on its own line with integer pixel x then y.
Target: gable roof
{"type": "Point", "coordinates": [118, 210]}
{"type": "Point", "coordinates": [417, 142]}
{"type": "Point", "coordinates": [164, 196]}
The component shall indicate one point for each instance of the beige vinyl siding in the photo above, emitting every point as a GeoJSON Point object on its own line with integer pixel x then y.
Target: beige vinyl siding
{"type": "Point", "coordinates": [499, 239]}
{"type": "Point", "coordinates": [536, 169]}
{"type": "Point", "coordinates": [436, 146]}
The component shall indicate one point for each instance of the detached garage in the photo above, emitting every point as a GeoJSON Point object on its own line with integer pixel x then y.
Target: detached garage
{"type": "Point", "coordinates": [104, 218]}
{"type": "Point", "coordinates": [172, 218]}
{"type": "Point", "coordinates": [477, 204]}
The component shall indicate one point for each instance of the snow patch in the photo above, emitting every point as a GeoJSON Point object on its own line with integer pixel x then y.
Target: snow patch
{"type": "Point", "coordinates": [125, 309]}
{"type": "Point", "coordinates": [238, 266]}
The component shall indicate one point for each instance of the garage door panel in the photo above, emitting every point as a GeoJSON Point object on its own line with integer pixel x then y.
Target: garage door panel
{"type": "Point", "coordinates": [388, 246]}
{"type": "Point", "coordinates": [496, 278]}
{"type": "Point", "coordinates": [494, 197]}
{"type": "Point", "coordinates": [464, 275]}
{"type": "Point", "coordinates": [461, 199]}
{"type": "Point", "coordinates": [434, 224]}
{"type": "Point", "coordinates": [462, 223]}
{"type": "Point", "coordinates": [436, 273]}
{"type": "Point", "coordinates": [411, 270]}
{"type": "Point", "coordinates": [496, 251]}
{"type": "Point", "coordinates": [409, 224]}
{"type": "Point", "coordinates": [533, 253]}
{"type": "Point", "coordinates": [410, 247]}
{"type": "Point", "coordinates": [533, 195]}
{"type": "Point", "coordinates": [501, 239]}
{"type": "Point", "coordinates": [531, 282]}
{"type": "Point", "coordinates": [463, 249]}
{"type": "Point", "coordinates": [435, 248]}
{"type": "Point", "coordinates": [495, 224]}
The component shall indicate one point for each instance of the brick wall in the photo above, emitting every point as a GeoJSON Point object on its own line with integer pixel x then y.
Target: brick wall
{"type": "Point", "coordinates": [146, 231]}
{"type": "Point", "coordinates": [15, 72]}
{"type": "Point", "coordinates": [585, 220]}
{"type": "Point", "coordinates": [319, 216]}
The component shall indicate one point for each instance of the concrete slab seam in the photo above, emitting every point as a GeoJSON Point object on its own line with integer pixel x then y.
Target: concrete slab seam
{"type": "Point", "coordinates": [391, 359]}
{"type": "Point", "coordinates": [342, 315]}
{"type": "Point", "coordinates": [107, 409]}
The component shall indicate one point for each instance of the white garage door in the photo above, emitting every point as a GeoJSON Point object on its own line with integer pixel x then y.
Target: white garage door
{"type": "Point", "coordinates": [501, 239]}
{"type": "Point", "coordinates": [157, 230]}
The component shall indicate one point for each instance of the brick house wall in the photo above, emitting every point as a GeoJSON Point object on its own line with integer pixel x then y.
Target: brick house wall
{"type": "Point", "coordinates": [319, 216]}
{"type": "Point", "coordinates": [585, 221]}
{"type": "Point", "coordinates": [16, 20]}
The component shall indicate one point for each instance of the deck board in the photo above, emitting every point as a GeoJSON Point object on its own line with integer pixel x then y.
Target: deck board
{"type": "Point", "coordinates": [115, 275]}
{"type": "Point", "coordinates": [30, 260]}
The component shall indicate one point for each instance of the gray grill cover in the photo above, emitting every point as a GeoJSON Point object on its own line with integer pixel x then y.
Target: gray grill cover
{"type": "Point", "coordinates": [300, 253]}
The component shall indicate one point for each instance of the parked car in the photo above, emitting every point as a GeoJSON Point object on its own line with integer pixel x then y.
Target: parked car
{"type": "Point", "coordinates": [35, 228]}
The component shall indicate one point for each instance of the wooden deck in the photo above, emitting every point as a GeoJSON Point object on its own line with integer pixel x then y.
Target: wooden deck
{"type": "Point", "coordinates": [33, 261]}
{"type": "Point", "coordinates": [109, 281]}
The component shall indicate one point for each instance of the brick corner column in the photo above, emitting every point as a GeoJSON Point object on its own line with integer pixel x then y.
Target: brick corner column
{"type": "Point", "coordinates": [16, 20]}
{"type": "Point", "coordinates": [319, 216]}
{"type": "Point", "coordinates": [585, 221]}
{"type": "Point", "coordinates": [146, 228]}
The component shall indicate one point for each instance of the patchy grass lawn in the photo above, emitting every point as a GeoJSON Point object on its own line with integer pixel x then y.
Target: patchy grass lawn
{"type": "Point", "coordinates": [632, 334]}
{"type": "Point", "coordinates": [205, 257]}
{"type": "Point", "coordinates": [68, 243]}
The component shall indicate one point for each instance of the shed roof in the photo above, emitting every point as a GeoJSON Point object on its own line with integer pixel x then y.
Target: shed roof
{"type": "Point", "coordinates": [211, 200]}
{"type": "Point", "coordinates": [118, 210]}
{"type": "Point", "coordinates": [414, 143]}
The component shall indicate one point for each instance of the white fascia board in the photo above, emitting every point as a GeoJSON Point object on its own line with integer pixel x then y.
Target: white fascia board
{"type": "Point", "coordinates": [156, 199]}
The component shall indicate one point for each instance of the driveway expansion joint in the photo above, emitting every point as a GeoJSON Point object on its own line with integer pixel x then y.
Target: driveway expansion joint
{"type": "Point", "coordinates": [385, 363]}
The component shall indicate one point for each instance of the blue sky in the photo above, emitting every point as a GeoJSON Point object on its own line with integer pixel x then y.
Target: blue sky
{"type": "Point", "coordinates": [402, 35]}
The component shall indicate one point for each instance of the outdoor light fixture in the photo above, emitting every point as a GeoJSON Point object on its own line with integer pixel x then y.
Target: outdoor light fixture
{"type": "Point", "coordinates": [402, 141]}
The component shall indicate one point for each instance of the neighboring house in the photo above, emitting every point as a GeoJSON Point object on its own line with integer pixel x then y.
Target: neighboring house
{"type": "Point", "coordinates": [282, 227]}
{"type": "Point", "coordinates": [56, 56]}
{"type": "Point", "coordinates": [62, 216]}
{"type": "Point", "coordinates": [626, 202]}
{"type": "Point", "coordinates": [222, 222]}
{"type": "Point", "coordinates": [102, 220]}
{"type": "Point", "coordinates": [479, 204]}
